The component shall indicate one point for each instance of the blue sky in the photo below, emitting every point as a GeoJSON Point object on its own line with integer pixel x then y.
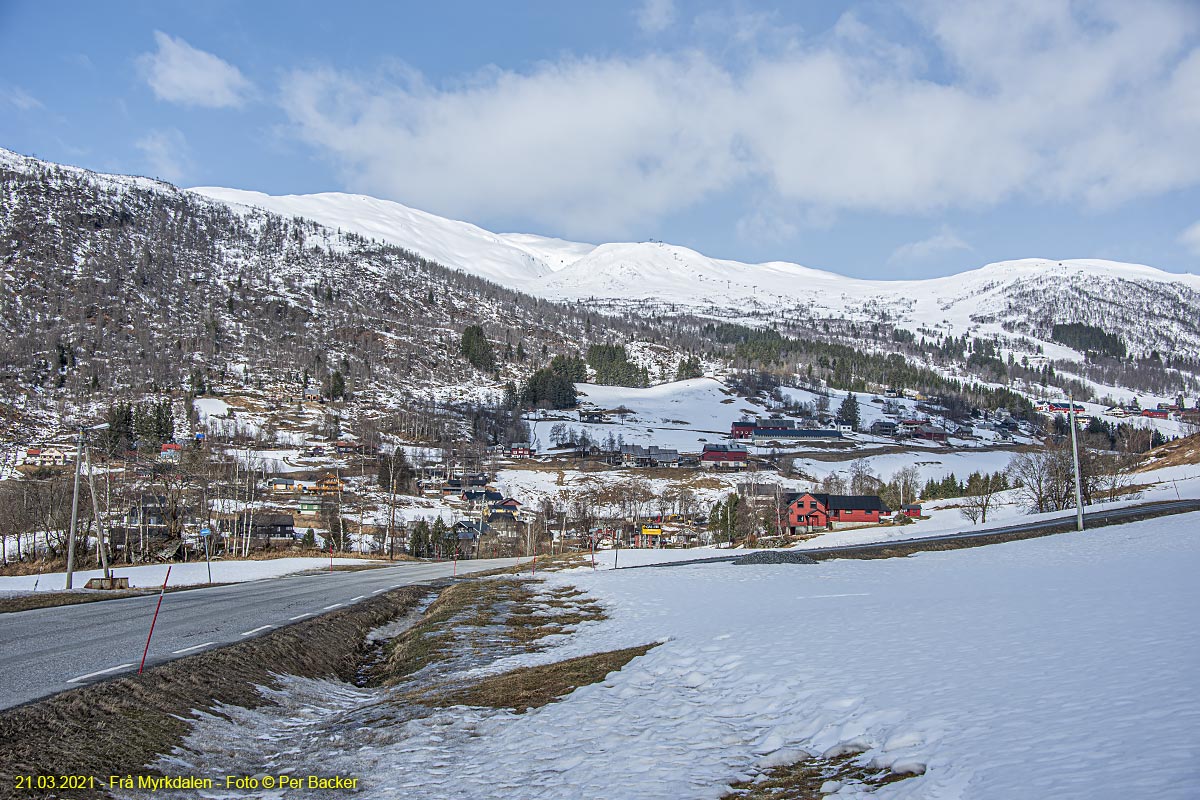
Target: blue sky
{"type": "Point", "coordinates": [872, 139]}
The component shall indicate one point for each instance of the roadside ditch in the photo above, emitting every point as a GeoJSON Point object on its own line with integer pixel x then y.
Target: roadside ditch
{"type": "Point", "coordinates": [312, 696]}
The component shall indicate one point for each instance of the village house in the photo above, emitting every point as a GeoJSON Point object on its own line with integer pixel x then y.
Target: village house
{"type": "Point", "coordinates": [509, 506]}
{"type": "Point", "coordinates": [768, 436]}
{"type": "Point", "coordinates": [479, 498]}
{"type": "Point", "coordinates": [883, 427]}
{"type": "Point", "coordinates": [457, 483]}
{"type": "Point", "coordinates": [808, 511]}
{"type": "Point", "coordinates": [724, 456]}
{"type": "Point", "coordinates": [328, 484]}
{"type": "Point", "coordinates": [266, 529]}
{"type": "Point", "coordinates": [311, 507]}
{"type": "Point", "coordinates": [633, 455]}
{"type": "Point", "coordinates": [742, 428]}
{"type": "Point", "coordinates": [592, 415]}
{"type": "Point", "coordinates": [930, 433]}
{"type": "Point", "coordinates": [45, 457]}
{"type": "Point", "coordinates": [465, 532]}
{"type": "Point", "coordinates": [344, 448]}
{"type": "Point", "coordinates": [520, 450]}
{"type": "Point", "coordinates": [170, 452]}
{"type": "Point", "coordinates": [505, 526]}
{"type": "Point", "coordinates": [283, 486]}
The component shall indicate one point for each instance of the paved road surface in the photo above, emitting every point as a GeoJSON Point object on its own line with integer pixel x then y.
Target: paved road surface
{"type": "Point", "coordinates": [1091, 519]}
{"type": "Point", "coordinates": [47, 650]}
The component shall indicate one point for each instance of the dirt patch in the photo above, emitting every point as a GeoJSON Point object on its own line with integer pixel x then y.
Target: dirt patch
{"type": "Point", "coordinates": [814, 778]}
{"type": "Point", "coordinates": [124, 725]}
{"type": "Point", "coordinates": [534, 687]}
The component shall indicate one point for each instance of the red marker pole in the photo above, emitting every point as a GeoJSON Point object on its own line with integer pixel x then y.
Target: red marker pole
{"type": "Point", "coordinates": [331, 555]}
{"type": "Point", "coordinates": [142, 666]}
{"type": "Point", "coordinates": [535, 563]}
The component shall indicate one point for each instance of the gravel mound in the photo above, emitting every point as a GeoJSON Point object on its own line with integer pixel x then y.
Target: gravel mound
{"type": "Point", "coordinates": [775, 557]}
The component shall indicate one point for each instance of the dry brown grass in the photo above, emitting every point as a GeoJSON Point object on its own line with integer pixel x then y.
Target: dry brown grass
{"type": "Point", "coordinates": [803, 779]}
{"type": "Point", "coordinates": [490, 619]}
{"type": "Point", "coordinates": [429, 639]}
{"type": "Point", "coordinates": [534, 687]}
{"type": "Point", "coordinates": [1179, 453]}
{"type": "Point", "coordinates": [28, 602]}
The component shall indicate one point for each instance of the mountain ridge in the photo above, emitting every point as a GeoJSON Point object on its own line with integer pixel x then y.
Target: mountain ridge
{"type": "Point", "coordinates": [1012, 298]}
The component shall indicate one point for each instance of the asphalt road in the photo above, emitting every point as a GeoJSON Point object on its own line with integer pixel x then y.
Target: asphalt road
{"type": "Point", "coordinates": [48, 650]}
{"type": "Point", "coordinates": [1091, 519]}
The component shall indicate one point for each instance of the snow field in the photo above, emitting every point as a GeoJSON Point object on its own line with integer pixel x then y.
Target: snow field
{"type": "Point", "coordinates": [191, 573]}
{"type": "Point", "coordinates": [1060, 667]}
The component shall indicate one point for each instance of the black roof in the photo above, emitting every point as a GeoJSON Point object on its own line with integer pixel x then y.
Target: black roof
{"type": "Point", "coordinates": [845, 502]}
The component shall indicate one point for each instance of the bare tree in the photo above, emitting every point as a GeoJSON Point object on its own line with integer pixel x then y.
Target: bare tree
{"type": "Point", "coordinates": [981, 495]}
{"type": "Point", "coordinates": [1036, 478]}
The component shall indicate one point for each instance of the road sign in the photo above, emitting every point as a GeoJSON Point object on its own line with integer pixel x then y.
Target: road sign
{"type": "Point", "coordinates": [206, 531]}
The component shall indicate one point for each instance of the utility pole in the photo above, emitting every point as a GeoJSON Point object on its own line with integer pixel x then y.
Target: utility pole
{"type": "Point", "coordinates": [74, 512]}
{"type": "Point", "coordinates": [75, 504]}
{"type": "Point", "coordinates": [1075, 459]}
{"type": "Point", "coordinates": [96, 510]}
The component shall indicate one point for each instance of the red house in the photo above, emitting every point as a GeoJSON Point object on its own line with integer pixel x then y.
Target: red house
{"type": "Point", "coordinates": [1155, 414]}
{"type": "Point", "coordinates": [742, 429]}
{"type": "Point", "coordinates": [809, 511]}
{"type": "Point", "coordinates": [724, 456]}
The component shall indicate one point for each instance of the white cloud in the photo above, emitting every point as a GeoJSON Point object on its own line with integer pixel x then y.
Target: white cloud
{"type": "Point", "coordinates": [179, 73]}
{"type": "Point", "coordinates": [1190, 238]}
{"type": "Point", "coordinates": [20, 99]}
{"type": "Point", "coordinates": [1048, 101]}
{"type": "Point", "coordinates": [165, 153]}
{"type": "Point", "coordinates": [655, 16]}
{"type": "Point", "coordinates": [945, 241]}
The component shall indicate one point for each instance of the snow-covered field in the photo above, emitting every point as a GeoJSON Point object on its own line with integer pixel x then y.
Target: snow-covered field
{"type": "Point", "coordinates": [681, 415]}
{"type": "Point", "coordinates": [1061, 667]}
{"type": "Point", "coordinates": [189, 574]}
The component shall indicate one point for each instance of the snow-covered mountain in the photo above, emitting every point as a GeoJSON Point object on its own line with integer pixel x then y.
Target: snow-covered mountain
{"type": "Point", "coordinates": [1149, 308]}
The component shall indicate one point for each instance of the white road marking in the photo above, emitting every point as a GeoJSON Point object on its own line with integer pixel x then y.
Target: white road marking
{"type": "Point", "coordinates": [98, 672]}
{"type": "Point", "coordinates": [356, 599]}
{"type": "Point", "coordinates": [819, 596]}
{"type": "Point", "coordinates": [194, 647]}
{"type": "Point", "coordinates": [377, 591]}
{"type": "Point", "coordinates": [256, 630]}
{"type": "Point", "coordinates": [335, 605]}
{"type": "Point", "coordinates": [301, 616]}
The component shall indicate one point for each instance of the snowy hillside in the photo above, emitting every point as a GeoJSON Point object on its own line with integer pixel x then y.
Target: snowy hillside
{"type": "Point", "coordinates": [1149, 308]}
{"type": "Point", "coordinates": [465, 246]}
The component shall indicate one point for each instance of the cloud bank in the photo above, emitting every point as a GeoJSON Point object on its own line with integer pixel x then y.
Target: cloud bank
{"type": "Point", "coordinates": [1044, 100]}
